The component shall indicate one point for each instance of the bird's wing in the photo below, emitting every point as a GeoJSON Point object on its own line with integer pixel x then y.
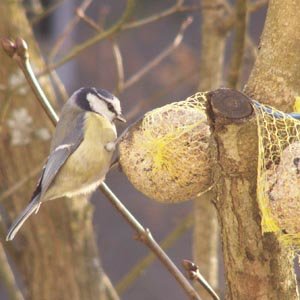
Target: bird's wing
{"type": "Point", "coordinates": [59, 155]}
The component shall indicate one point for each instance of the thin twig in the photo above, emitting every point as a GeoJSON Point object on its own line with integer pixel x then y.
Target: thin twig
{"type": "Point", "coordinates": [161, 93]}
{"type": "Point", "coordinates": [145, 236]}
{"type": "Point", "coordinates": [47, 12]}
{"type": "Point", "coordinates": [171, 238]}
{"type": "Point", "coordinates": [119, 65]}
{"type": "Point", "coordinates": [194, 274]}
{"type": "Point", "coordinates": [95, 39]}
{"type": "Point", "coordinates": [72, 23]}
{"type": "Point", "coordinates": [19, 52]}
{"type": "Point", "coordinates": [5, 108]}
{"type": "Point", "coordinates": [173, 9]}
{"type": "Point", "coordinates": [121, 25]}
{"type": "Point", "coordinates": [121, 85]}
{"type": "Point", "coordinates": [178, 7]}
{"type": "Point", "coordinates": [58, 84]}
{"type": "Point", "coordinates": [109, 288]}
{"type": "Point", "coordinates": [80, 13]}
{"type": "Point", "coordinates": [116, 51]}
{"type": "Point", "coordinates": [154, 62]}
{"type": "Point", "coordinates": [238, 44]}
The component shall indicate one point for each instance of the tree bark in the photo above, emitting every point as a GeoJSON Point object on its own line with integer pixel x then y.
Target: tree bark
{"type": "Point", "coordinates": [55, 252]}
{"type": "Point", "coordinates": [256, 266]}
{"type": "Point", "coordinates": [275, 78]}
{"type": "Point", "coordinates": [206, 233]}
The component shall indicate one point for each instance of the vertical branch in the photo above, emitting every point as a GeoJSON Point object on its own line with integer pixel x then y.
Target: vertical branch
{"type": "Point", "coordinates": [238, 44]}
{"type": "Point", "coordinates": [275, 78]}
{"type": "Point", "coordinates": [119, 66]}
{"type": "Point", "coordinates": [211, 69]}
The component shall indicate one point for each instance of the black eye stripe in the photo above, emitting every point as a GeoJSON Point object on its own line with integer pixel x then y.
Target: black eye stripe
{"type": "Point", "coordinates": [110, 107]}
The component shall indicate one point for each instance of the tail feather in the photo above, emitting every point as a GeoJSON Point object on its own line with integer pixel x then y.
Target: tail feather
{"type": "Point", "coordinates": [27, 212]}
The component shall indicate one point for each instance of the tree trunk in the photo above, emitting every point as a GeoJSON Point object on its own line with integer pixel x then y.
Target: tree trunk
{"type": "Point", "coordinates": [256, 266]}
{"type": "Point", "coordinates": [55, 252]}
{"type": "Point", "coordinates": [275, 78]}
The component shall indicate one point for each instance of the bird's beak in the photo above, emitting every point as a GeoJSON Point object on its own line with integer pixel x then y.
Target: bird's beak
{"type": "Point", "coordinates": [121, 118]}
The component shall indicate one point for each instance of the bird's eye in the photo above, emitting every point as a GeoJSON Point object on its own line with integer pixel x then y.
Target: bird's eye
{"type": "Point", "coordinates": [110, 107]}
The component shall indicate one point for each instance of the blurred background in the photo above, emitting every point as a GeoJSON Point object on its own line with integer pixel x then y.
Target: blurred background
{"type": "Point", "coordinates": [175, 75]}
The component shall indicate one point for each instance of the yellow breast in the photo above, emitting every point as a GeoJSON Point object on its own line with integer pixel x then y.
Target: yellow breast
{"type": "Point", "coordinates": [91, 154]}
{"type": "Point", "coordinates": [89, 163]}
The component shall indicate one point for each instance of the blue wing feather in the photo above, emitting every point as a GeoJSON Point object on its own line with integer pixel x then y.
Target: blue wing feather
{"type": "Point", "coordinates": [59, 156]}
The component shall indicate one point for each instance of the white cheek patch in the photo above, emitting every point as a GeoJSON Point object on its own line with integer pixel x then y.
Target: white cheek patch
{"type": "Point", "coordinates": [99, 106]}
{"type": "Point", "coordinates": [115, 102]}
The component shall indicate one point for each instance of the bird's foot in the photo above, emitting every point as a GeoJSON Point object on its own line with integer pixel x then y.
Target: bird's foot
{"type": "Point", "coordinates": [111, 146]}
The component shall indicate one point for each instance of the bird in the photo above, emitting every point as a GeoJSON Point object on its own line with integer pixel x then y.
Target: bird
{"type": "Point", "coordinates": [81, 150]}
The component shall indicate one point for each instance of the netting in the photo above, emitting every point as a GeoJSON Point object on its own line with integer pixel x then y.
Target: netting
{"type": "Point", "coordinates": [183, 121]}
{"type": "Point", "coordinates": [171, 162]}
{"type": "Point", "coordinates": [278, 184]}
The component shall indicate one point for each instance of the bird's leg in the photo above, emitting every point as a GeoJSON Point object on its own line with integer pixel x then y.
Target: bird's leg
{"type": "Point", "coordinates": [111, 146]}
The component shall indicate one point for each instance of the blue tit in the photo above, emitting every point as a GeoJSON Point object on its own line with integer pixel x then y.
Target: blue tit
{"type": "Point", "coordinates": [81, 150]}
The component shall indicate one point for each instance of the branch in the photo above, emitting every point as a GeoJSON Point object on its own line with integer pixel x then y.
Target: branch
{"type": "Point", "coordinates": [116, 50]}
{"type": "Point", "coordinates": [175, 8]}
{"type": "Point", "coordinates": [119, 26]}
{"type": "Point", "coordinates": [95, 39]}
{"type": "Point", "coordinates": [47, 12]}
{"type": "Point", "coordinates": [120, 67]}
{"type": "Point", "coordinates": [136, 271]}
{"type": "Point", "coordinates": [178, 39]}
{"type": "Point", "coordinates": [238, 44]}
{"type": "Point", "coordinates": [230, 20]}
{"type": "Point", "coordinates": [19, 52]}
{"type": "Point", "coordinates": [121, 85]}
{"type": "Point", "coordinates": [62, 37]}
{"type": "Point", "coordinates": [58, 84]}
{"type": "Point", "coordinates": [172, 84]}
{"type": "Point", "coordinates": [275, 80]}
{"type": "Point", "coordinates": [194, 274]}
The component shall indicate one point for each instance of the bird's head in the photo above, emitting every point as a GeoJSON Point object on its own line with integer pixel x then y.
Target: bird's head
{"type": "Point", "coordinates": [100, 102]}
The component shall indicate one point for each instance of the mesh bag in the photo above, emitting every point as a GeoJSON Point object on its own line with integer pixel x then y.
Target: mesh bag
{"type": "Point", "coordinates": [170, 162]}
{"type": "Point", "coordinates": [278, 183]}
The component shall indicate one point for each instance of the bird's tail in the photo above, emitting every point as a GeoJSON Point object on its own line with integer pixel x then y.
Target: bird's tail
{"type": "Point", "coordinates": [27, 212]}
